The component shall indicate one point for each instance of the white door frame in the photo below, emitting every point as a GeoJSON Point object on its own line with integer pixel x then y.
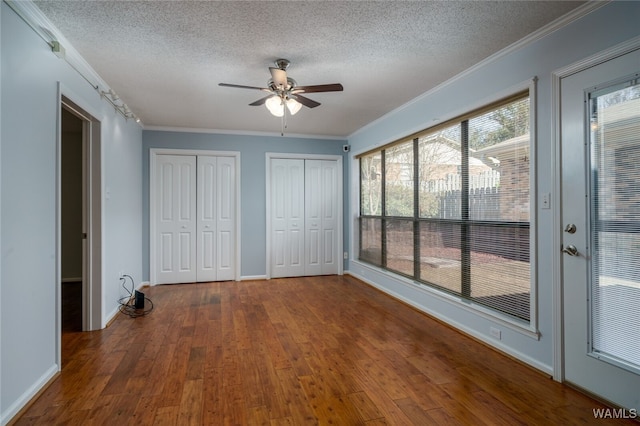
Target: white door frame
{"type": "Point", "coordinates": [556, 82]}
{"type": "Point", "coordinates": [338, 158]}
{"type": "Point", "coordinates": [92, 211]}
{"type": "Point", "coordinates": [153, 153]}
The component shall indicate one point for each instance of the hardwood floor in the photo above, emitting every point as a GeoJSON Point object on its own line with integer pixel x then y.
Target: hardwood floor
{"type": "Point", "coordinates": [323, 350]}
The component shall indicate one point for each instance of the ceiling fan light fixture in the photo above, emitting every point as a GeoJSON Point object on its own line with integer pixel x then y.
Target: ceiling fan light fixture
{"type": "Point", "coordinates": [293, 106]}
{"type": "Point", "coordinates": [275, 105]}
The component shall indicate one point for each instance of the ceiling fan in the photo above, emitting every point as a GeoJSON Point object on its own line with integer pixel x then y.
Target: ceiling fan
{"type": "Point", "coordinates": [284, 91]}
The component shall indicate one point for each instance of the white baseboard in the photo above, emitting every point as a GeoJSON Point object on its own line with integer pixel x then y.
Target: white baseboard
{"type": "Point", "coordinates": [253, 277]}
{"type": "Point", "coordinates": [111, 316]}
{"type": "Point", "coordinates": [29, 394]}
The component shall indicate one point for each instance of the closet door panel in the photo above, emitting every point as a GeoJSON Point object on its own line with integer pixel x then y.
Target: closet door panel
{"type": "Point", "coordinates": [287, 217]}
{"type": "Point", "coordinates": [206, 265]}
{"type": "Point", "coordinates": [175, 219]}
{"type": "Point", "coordinates": [313, 217]}
{"type": "Point", "coordinates": [329, 218]}
{"type": "Point", "coordinates": [226, 214]}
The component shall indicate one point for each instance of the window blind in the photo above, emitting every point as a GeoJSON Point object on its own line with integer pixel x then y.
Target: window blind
{"type": "Point", "coordinates": [615, 222]}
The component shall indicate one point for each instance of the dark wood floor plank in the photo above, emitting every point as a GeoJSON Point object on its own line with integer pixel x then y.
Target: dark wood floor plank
{"type": "Point", "coordinates": [195, 366]}
{"type": "Point", "coordinates": [213, 395]}
{"type": "Point", "coordinates": [365, 406]}
{"type": "Point", "coordinates": [191, 404]}
{"type": "Point", "coordinates": [293, 351]}
{"type": "Point", "coordinates": [300, 407]}
{"type": "Point", "coordinates": [315, 350]}
{"type": "Point", "coordinates": [145, 412]}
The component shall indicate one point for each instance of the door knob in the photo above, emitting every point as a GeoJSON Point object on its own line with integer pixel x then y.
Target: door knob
{"type": "Point", "coordinates": [570, 228]}
{"type": "Point", "coordinates": [571, 250]}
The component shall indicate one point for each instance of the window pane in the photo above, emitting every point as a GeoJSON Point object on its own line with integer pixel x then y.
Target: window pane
{"type": "Point", "coordinates": [400, 246]}
{"type": "Point", "coordinates": [499, 164]}
{"type": "Point", "coordinates": [615, 221]}
{"type": "Point", "coordinates": [472, 213]}
{"type": "Point", "coordinates": [371, 240]}
{"type": "Point", "coordinates": [440, 255]}
{"type": "Point", "coordinates": [500, 270]}
{"type": "Point", "coordinates": [440, 162]}
{"type": "Point", "coordinates": [399, 180]}
{"type": "Point", "coordinates": [371, 185]}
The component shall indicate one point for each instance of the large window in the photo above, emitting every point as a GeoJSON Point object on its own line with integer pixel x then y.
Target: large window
{"type": "Point", "coordinates": [449, 207]}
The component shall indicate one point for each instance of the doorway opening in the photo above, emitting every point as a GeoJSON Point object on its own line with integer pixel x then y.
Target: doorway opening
{"type": "Point", "coordinates": [72, 180]}
{"type": "Point", "coordinates": [79, 221]}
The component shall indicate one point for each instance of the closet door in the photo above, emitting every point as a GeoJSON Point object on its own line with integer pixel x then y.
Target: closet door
{"type": "Point", "coordinates": [225, 195]}
{"type": "Point", "coordinates": [216, 219]}
{"type": "Point", "coordinates": [206, 226]}
{"type": "Point", "coordinates": [287, 218]}
{"type": "Point", "coordinates": [175, 213]}
{"type": "Point", "coordinates": [321, 217]}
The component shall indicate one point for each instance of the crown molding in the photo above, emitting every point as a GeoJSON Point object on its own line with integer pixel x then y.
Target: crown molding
{"type": "Point", "coordinates": [241, 133]}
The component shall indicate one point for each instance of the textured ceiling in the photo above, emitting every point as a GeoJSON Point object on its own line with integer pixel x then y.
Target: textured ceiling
{"type": "Point", "coordinates": [166, 58]}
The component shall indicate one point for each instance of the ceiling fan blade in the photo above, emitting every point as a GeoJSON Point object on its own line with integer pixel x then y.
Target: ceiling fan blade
{"type": "Point", "coordinates": [336, 87]}
{"type": "Point", "coordinates": [260, 101]}
{"type": "Point", "coordinates": [305, 101]}
{"type": "Point", "coordinates": [279, 77]}
{"type": "Point", "coordinates": [239, 86]}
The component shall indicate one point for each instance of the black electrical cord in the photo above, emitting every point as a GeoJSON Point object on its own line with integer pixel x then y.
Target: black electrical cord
{"type": "Point", "coordinates": [127, 303]}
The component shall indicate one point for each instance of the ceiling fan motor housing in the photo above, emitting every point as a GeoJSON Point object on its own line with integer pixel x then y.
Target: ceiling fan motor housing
{"type": "Point", "coordinates": [283, 64]}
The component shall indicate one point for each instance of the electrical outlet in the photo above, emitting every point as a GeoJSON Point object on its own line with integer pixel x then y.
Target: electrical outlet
{"type": "Point", "coordinates": [495, 333]}
{"type": "Point", "coordinates": [345, 255]}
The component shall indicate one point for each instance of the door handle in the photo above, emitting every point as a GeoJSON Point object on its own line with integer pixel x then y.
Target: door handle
{"type": "Point", "coordinates": [571, 250]}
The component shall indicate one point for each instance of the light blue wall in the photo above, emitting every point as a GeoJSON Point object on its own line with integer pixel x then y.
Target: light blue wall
{"type": "Point", "coordinates": [30, 74]}
{"type": "Point", "coordinates": [605, 27]}
{"type": "Point", "coordinates": [253, 190]}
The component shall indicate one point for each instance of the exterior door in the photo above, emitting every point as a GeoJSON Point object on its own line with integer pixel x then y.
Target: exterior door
{"type": "Point", "coordinates": [287, 218]}
{"type": "Point", "coordinates": [175, 213]}
{"type": "Point", "coordinates": [600, 130]}
{"type": "Point", "coordinates": [321, 223]}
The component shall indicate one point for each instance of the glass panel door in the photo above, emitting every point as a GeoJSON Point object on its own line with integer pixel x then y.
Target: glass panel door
{"type": "Point", "coordinates": [600, 136]}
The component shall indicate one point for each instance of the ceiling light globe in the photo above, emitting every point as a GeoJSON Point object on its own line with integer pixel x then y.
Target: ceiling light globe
{"type": "Point", "coordinates": [293, 106]}
{"type": "Point", "coordinates": [275, 106]}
